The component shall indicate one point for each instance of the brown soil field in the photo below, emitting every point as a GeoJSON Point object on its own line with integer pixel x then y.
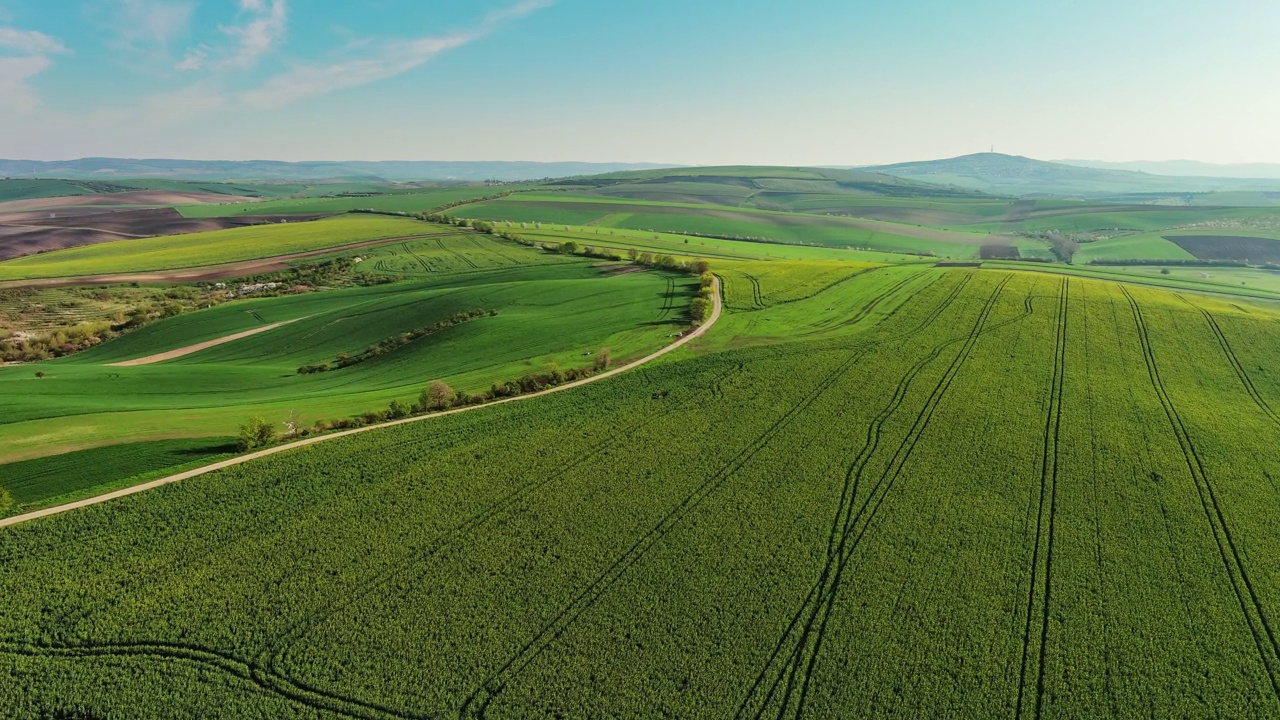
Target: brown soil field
{"type": "Point", "coordinates": [33, 232]}
{"type": "Point", "coordinates": [155, 198]}
{"type": "Point", "coordinates": [999, 252]}
{"type": "Point", "coordinates": [1228, 247]}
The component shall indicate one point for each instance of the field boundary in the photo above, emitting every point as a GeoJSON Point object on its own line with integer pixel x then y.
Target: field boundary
{"type": "Point", "coordinates": [717, 307]}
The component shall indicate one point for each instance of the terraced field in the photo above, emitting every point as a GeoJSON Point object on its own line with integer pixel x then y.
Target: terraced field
{"type": "Point", "coordinates": [969, 494]}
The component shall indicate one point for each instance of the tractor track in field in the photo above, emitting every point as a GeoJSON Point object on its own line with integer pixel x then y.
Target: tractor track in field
{"type": "Point", "coordinates": [451, 538]}
{"type": "Point", "coordinates": [1251, 606]}
{"type": "Point", "coordinates": [1049, 491]}
{"type": "Point", "coordinates": [757, 294]}
{"type": "Point", "coordinates": [459, 255]}
{"type": "Point", "coordinates": [668, 300]}
{"type": "Point", "coordinates": [478, 702]}
{"type": "Point", "coordinates": [1236, 365]}
{"type": "Point", "coordinates": [848, 530]}
{"type": "Point", "coordinates": [418, 258]}
{"type": "Point", "coordinates": [224, 663]}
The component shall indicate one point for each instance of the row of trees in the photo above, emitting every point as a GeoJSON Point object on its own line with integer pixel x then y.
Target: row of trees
{"type": "Point", "coordinates": [395, 342]}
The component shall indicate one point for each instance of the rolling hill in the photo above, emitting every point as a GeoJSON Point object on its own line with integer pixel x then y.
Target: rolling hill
{"type": "Point", "coordinates": [1015, 175]}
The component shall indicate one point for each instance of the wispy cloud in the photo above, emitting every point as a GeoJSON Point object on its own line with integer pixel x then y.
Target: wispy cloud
{"type": "Point", "coordinates": [15, 72]}
{"type": "Point", "coordinates": [393, 58]}
{"type": "Point", "coordinates": [260, 28]}
{"type": "Point", "coordinates": [151, 25]}
{"type": "Point", "coordinates": [26, 54]}
{"type": "Point", "coordinates": [29, 42]}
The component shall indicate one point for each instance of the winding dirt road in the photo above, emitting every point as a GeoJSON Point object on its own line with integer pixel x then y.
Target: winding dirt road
{"type": "Point", "coordinates": [18, 519]}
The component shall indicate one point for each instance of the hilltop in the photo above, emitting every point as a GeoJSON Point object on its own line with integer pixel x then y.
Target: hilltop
{"type": "Point", "coordinates": [1016, 175]}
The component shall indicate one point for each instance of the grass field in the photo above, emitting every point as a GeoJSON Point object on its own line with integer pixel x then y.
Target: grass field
{"type": "Point", "coordinates": [547, 309]}
{"type": "Point", "coordinates": [407, 202]}
{"type": "Point", "coordinates": [993, 494]}
{"type": "Point", "coordinates": [222, 246]}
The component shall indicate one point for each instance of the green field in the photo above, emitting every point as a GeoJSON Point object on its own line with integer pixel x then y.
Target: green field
{"type": "Point", "coordinates": [211, 248]}
{"type": "Point", "coordinates": [552, 312]}
{"type": "Point", "coordinates": [982, 494]}
{"type": "Point", "coordinates": [410, 201]}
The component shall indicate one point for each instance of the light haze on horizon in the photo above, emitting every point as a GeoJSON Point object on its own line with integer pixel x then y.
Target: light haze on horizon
{"type": "Point", "coordinates": [716, 82]}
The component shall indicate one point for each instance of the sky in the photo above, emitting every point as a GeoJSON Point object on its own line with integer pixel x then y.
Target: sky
{"type": "Point", "coordinates": [696, 82]}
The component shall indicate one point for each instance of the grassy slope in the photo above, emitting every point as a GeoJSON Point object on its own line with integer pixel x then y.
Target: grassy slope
{"type": "Point", "coordinates": [221, 246]}
{"type": "Point", "coordinates": [844, 515]}
{"type": "Point", "coordinates": [548, 313]}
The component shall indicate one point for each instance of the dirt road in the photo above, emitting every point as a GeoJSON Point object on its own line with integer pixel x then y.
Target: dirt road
{"type": "Point", "coordinates": [18, 519]}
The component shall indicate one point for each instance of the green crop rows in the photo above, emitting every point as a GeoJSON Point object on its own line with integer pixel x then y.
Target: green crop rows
{"type": "Point", "coordinates": [991, 494]}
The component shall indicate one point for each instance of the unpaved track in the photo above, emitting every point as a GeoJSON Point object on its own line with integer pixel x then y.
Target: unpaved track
{"type": "Point", "coordinates": [180, 352]}
{"type": "Point", "coordinates": [18, 519]}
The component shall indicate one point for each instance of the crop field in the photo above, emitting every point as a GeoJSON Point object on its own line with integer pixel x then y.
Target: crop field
{"type": "Point", "coordinates": [754, 286]}
{"type": "Point", "coordinates": [405, 202]}
{"type": "Point", "coordinates": [451, 254]}
{"type": "Point", "coordinates": [211, 248]}
{"type": "Point", "coordinates": [993, 494]}
{"type": "Point", "coordinates": [37, 481]}
{"type": "Point", "coordinates": [782, 227]}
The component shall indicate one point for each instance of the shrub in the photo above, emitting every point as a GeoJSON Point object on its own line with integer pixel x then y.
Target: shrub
{"type": "Point", "coordinates": [256, 433]}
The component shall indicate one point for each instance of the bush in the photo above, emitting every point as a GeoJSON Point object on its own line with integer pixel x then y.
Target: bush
{"type": "Point", "coordinates": [256, 433]}
{"type": "Point", "coordinates": [436, 396]}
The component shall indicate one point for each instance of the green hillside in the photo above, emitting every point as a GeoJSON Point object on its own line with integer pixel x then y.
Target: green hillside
{"type": "Point", "coordinates": [1035, 491]}
{"type": "Point", "coordinates": [1015, 175]}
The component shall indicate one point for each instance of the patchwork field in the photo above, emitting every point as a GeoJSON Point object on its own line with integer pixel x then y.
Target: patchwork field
{"type": "Point", "coordinates": [211, 248]}
{"type": "Point", "coordinates": [1015, 494]}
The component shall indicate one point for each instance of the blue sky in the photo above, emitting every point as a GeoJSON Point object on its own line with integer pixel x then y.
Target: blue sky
{"type": "Point", "coordinates": [681, 81]}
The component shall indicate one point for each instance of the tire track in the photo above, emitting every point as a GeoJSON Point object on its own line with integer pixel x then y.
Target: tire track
{"type": "Point", "coordinates": [668, 299]}
{"type": "Point", "coordinates": [1049, 492]}
{"type": "Point", "coordinates": [416, 257]}
{"type": "Point", "coordinates": [478, 702]}
{"type": "Point", "coordinates": [460, 256]}
{"type": "Point", "coordinates": [273, 656]}
{"type": "Point", "coordinates": [848, 530]}
{"type": "Point", "coordinates": [1250, 604]}
{"type": "Point", "coordinates": [223, 663]}
{"type": "Point", "coordinates": [1236, 365]}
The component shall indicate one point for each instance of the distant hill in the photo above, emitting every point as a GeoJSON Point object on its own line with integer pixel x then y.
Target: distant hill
{"type": "Point", "coordinates": [106, 169]}
{"type": "Point", "coordinates": [1186, 168]}
{"type": "Point", "coordinates": [1015, 175]}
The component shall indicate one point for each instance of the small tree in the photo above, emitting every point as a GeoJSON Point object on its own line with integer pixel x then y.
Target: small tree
{"type": "Point", "coordinates": [39, 374]}
{"type": "Point", "coordinates": [604, 358]}
{"type": "Point", "coordinates": [701, 267]}
{"type": "Point", "coordinates": [699, 308]}
{"type": "Point", "coordinates": [255, 434]}
{"type": "Point", "coordinates": [632, 254]}
{"type": "Point", "coordinates": [397, 410]}
{"type": "Point", "coordinates": [568, 247]}
{"type": "Point", "coordinates": [436, 396]}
